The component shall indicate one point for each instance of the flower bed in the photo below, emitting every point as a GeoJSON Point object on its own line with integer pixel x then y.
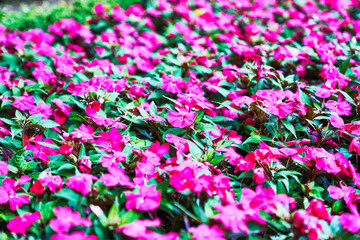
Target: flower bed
{"type": "Point", "coordinates": [185, 120]}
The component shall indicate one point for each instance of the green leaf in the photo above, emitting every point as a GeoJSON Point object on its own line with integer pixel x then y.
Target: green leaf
{"type": "Point", "coordinates": [256, 139]}
{"type": "Point", "coordinates": [82, 151]}
{"type": "Point", "coordinates": [69, 194]}
{"type": "Point", "coordinates": [199, 116]}
{"type": "Point", "coordinates": [100, 214]}
{"type": "Point", "coordinates": [18, 159]}
{"type": "Point", "coordinates": [347, 97]}
{"type": "Point", "coordinates": [114, 214]}
{"type": "Point", "coordinates": [290, 127]}
{"type": "Point", "coordinates": [47, 123]}
{"type": "Point", "coordinates": [345, 64]}
{"type": "Point", "coordinates": [304, 98]}
{"type": "Point", "coordinates": [195, 151]}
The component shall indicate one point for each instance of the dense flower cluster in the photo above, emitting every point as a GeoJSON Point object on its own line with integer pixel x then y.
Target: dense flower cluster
{"type": "Point", "coordinates": [203, 120]}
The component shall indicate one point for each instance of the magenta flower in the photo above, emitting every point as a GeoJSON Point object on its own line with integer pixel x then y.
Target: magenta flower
{"type": "Point", "coordinates": [81, 183]}
{"type": "Point", "coordinates": [54, 183]}
{"type": "Point", "coordinates": [117, 176]}
{"type": "Point", "coordinates": [85, 164]}
{"type": "Point", "coordinates": [20, 224]}
{"type": "Point", "coordinates": [259, 175]}
{"type": "Point", "coordinates": [92, 108]}
{"type": "Point", "coordinates": [66, 149]}
{"type": "Point", "coordinates": [43, 109]}
{"type": "Point", "coordinates": [8, 194]}
{"type": "Point", "coordinates": [232, 218]}
{"type": "Point", "coordinates": [24, 102]}
{"type": "Point", "coordinates": [204, 232]}
{"type": "Point", "coordinates": [340, 107]}
{"type": "Point", "coordinates": [172, 84]}
{"type": "Point", "coordinates": [337, 121]}
{"type": "Point", "coordinates": [73, 236]}
{"type": "Point", "coordinates": [224, 134]}
{"type": "Point", "coordinates": [112, 160]}
{"type": "Point", "coordinates": [66, 219]}
{"type": "Point", "coordinates": [181, 119]}
{"type": "Point", "coordinates": [278, 109]}
{"type": "Point", "coordinates": [355, 145]}
{"type": "Point", "coordinates": [147, 199]}
{"type": "Point", "coordinates": [4, 168]}
{"type": "Point", "coordinates": [318, 209]}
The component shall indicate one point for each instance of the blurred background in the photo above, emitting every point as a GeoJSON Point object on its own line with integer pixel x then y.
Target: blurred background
{"type": "Point", "coordinates": [28, 14]}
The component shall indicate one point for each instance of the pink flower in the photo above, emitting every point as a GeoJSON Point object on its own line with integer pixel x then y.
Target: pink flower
{"type": "Point", "coordinates": [224, 134]}
{"type": "Point", "coordinates": [73, 236]}
{"type": "Point", "coordinates": [148, 199]}
{"type": "Point", "coordinates": [20, 224]}
{"type": "Point", "coordinates": [92, 108]}
{"type": "Point", "coordinates": [317, 208]}
{"type": "Point", "coordinates": [337, 121]}
{"type": "Point", "coordinates": [81, 183]}
{"type": "Point", "coordinates": [112, 160]}
{"type": "Point", "coordinates": [181, 119]}
{"type": "Point", "coordinates": [282, 53]}
{"type": "Point", "coordinates": [119, 14]}
{"type": "Point", "coordinates": [8, 194]}
{"type": "Point", "coordinates": [54, 183]}
{"type": "Point", "coordinates": [204, 232]}
{"type": "Point", "coordinates": [67, 219]}
{"type": "Point", "coordinates": [99, 8]}
{"type": "Point", "coordinates": [4, 168]}
{"type": "Point", "coordinates": [43, 109]}
{"type": "Point", "coordinates": [24, 102]}
{"type": "Point", "coordinates": [85, 164]}
{"type": "Point", "coordinates": [355, 145]}
{"type": "Point", "coordinates": [340, 107]}
{"type": "Point", "coordinates": [66, 149]}
{"type": "Point", "coordinates": [232, 218]}
{"type": "Point", "coordinates": [259, 175]}
{"type": "Point", "coordinates": [172, 84]}
{"type": "Point", "coordinates": [278, 109]}
{"type": "Point", "coordinates": [117, 176]}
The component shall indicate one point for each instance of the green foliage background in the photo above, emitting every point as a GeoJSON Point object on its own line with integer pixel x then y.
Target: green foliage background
{"type": "Point", "coordinates": [30, 16]}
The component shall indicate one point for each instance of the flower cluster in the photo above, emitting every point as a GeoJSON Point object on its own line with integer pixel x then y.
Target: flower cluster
{"type": "Point", "coordinates": [183, 120]}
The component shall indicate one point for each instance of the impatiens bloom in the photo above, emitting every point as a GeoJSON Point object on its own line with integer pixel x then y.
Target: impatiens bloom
{"type": "Point", "coordinates": [4, 168]}
{"type": "Point", "coordinates": [181, 119]}
{"type": "Point", "coordinates": [259, 175]}
{"type": "Point", "coordinates": [172, 84]}
{"type": "Point", "coordinates": [43, 109]}
{"type": "Point", "coordinates": [66, 149]}
{"type": "Point", "coordinates": [73, 236]}
{"type": "Point", "coordinates": [117, 176]}
{"type": "Point", "coordinates": [147, 199]}
{"type": "Point", "coordinates": [340, 107]}
{"type": "Point", "coordinates": [204, 232]}
{"type": "Point", "coordinates": [81, 183]}
{"type": "Point", "coordinates": [24, 102]}
{"type": "Point", "coordinates": [278, 109]}
{"type": "Point", "coordinates": [8, 194]}
{"type": "Point", "coordinates": [66, 219]}
{"type": "Point", "coordinates": [355, 145]}
{"type": "Point", "coordinates": [20, 224]}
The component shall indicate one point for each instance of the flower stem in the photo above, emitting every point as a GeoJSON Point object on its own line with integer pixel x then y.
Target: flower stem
{"type": "Point", "coordinates": [279, 126]}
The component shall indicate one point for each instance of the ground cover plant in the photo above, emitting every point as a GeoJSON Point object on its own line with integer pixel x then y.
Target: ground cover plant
{"type": "Point", "coordinates": [183, 120]}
